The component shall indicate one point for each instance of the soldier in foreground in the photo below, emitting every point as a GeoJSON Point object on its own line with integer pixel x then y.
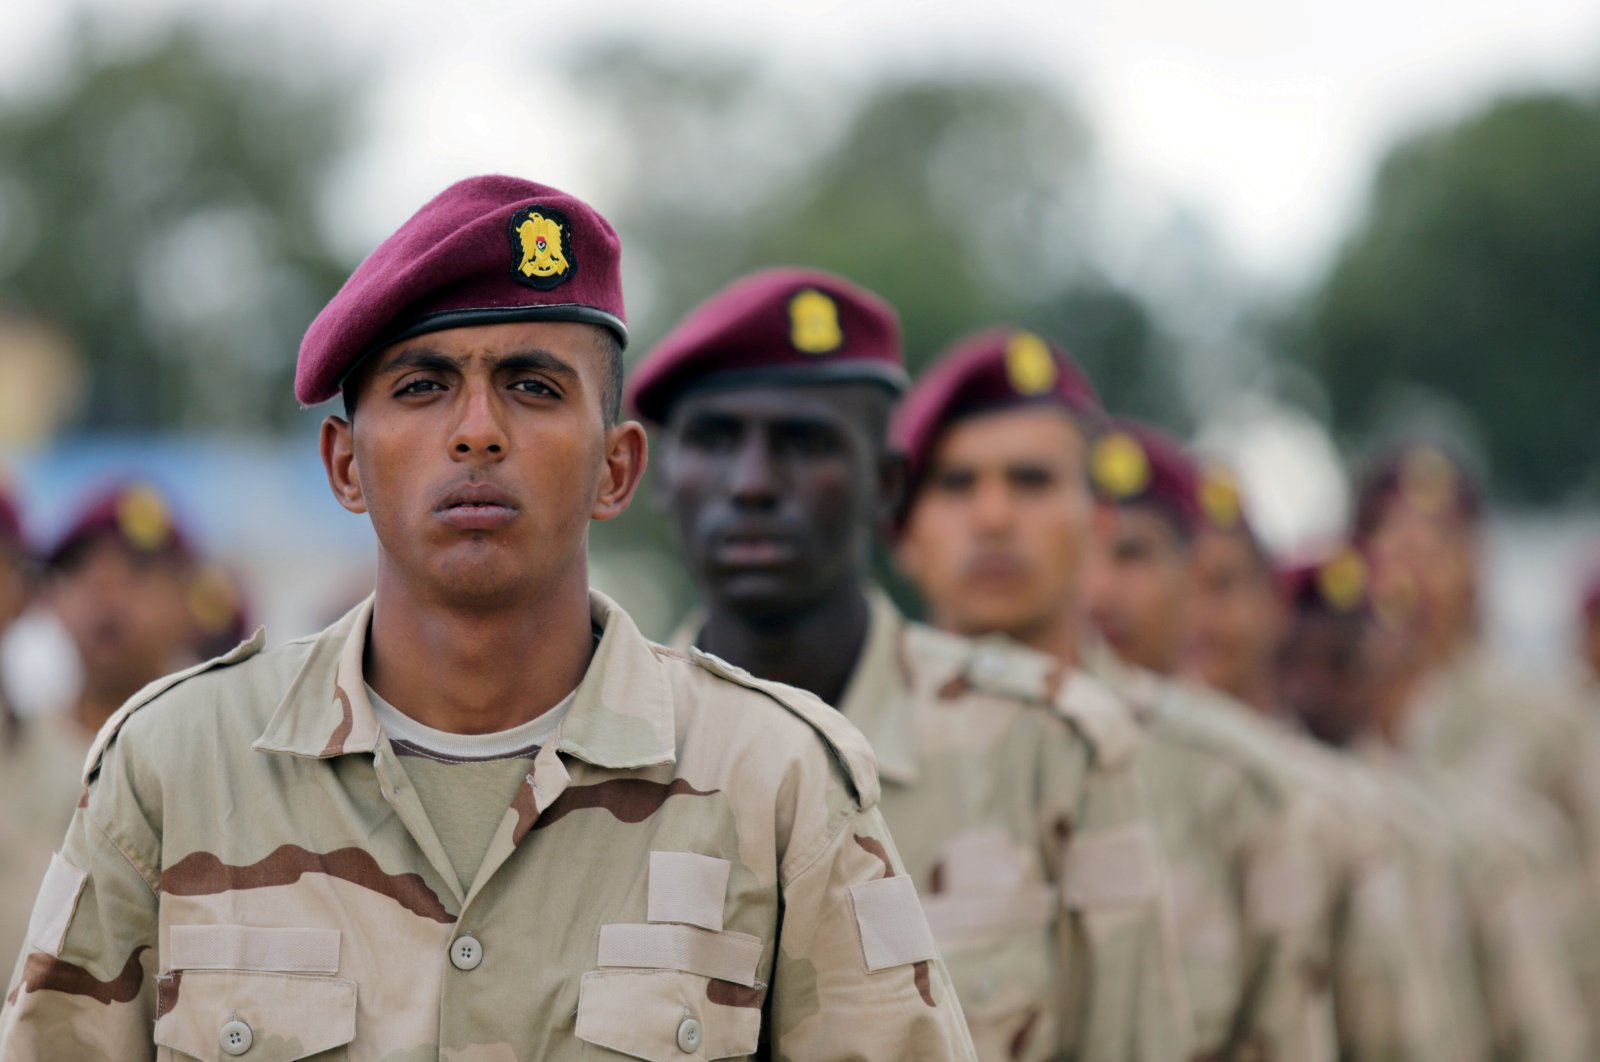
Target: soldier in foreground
{"type": "Point", "coordinates": [480, 817]}
{"type": "Point", "coordinates": [997, 534]}
{"type": "Point", "coordinates": [1008, 780]}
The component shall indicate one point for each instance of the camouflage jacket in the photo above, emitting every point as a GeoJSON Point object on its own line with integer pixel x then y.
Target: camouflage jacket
{"type": "Point", "coordinates": [1476, 719]}
{"type": "Point", "coordinates": [1495, 924]}
{"type": "Point", "coordinates": [1250, 893]}
{"type": "Point", "coordinates": [1011, 789]}
{"type": "Point", "coordinates": [694, 868]}
{"type": "Point", "coordinates": [40, 779]}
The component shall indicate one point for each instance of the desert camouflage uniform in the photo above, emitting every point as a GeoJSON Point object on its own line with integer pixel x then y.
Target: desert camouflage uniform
{"type": "Point", "coordinates": [1250, 892]}
{"type": "Point", "coordinates": [1476, 720]}
{"type": "Point", "coordinates": [1029, 841]}
{"type": "Point", "coordinates": [694, 868]}
{"type": "Point", "coordinates": [1496, 922]}
{"type": "Point", "coordinates": [1388, 1003]}
{"type": "Point", "coordinates": [40, 780]}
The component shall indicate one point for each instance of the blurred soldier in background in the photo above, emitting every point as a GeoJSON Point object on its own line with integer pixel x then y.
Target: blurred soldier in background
{"type": "Point", "coordinates": [1008, 784]}
{"type": "Point", "coordinates": [118, 581]}
{"type": "Point", "coordinates": [1589, 630]}
{"type": "Point", "coordinates": [16, 589]}
{"type": "Point", "coordinates": [26, 838]}
{"type": "Point", "coordinates": [1236, 618]}
{"type": "Point", "coordinates": [1452, 704]}
{"type": "Point", "coordinates": [996, 532]}
{"type": "Point", "coordinates": [1473, 873]}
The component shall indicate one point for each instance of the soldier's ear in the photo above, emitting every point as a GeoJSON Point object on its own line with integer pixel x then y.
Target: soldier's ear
{"type": "Point", "coordinates": [337, 444]}
{"type": "Point", "coordinates": [627, 453]}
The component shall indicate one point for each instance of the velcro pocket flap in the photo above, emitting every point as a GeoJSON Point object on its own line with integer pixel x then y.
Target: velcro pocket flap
{"type": "Point", "coordinates": [727, 956]}
{"type": "Point", "coordinates": [1111, 867]}
{"type": "Point", "coordinates": [290, 1016]}
{"type": "Point", "coordinates": [894, 931]}
{"type": "Point", "coordinates": [289, 950]}
{"type": "Point", "coordinates": [58, 899]}
{"type": "Point", "coordinates": [642, 1013]}
{"type": "Point", "coordinates": [689, 888]}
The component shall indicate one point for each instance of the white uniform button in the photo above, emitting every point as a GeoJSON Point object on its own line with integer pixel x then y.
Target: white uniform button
{"type": "Point", "coordinates": [236, 1038]}
{"type": "Point", "coordinates": [689, 1036]}
{"type": "Point", "coordinates": [466, 953]}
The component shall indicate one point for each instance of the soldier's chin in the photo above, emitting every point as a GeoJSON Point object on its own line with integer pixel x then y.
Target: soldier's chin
{"type": "Point", "coordinates": [764, 596]}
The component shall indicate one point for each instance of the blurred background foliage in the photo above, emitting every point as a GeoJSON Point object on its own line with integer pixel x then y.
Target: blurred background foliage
{"type": "Point", "coordinates": [1475, 273]}
{"type": "Point", "coordinates": [163, 205]}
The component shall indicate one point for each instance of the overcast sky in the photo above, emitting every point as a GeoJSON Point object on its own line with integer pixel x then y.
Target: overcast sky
{"type": "Point", "coordinates": [1264, 115]}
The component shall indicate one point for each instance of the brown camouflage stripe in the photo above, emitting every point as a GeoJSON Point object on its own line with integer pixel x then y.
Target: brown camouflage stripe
{"type": "Point", "coordinates": [728, 994]}
{"type": "Point", "coordinates": [1019, 1042]}
{"type": "Point", "coordinates": [203, 874]}
{"type": "Point", "coordinates": [919, 970]}
{"type": "Point", "coordinates": [167, 987]}
{"type": "Point", "coordinates": [46, 973]}
{"type": "Point", "coordinates": [630, 800]}
{"type": "Point", "coordinates": [347, 723]}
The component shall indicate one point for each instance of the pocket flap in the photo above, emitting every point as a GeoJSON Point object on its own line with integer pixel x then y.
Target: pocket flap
{"type": "Point", "coordinates": [642, 1014]}
{"type": "Point", "coordinates": [289, 1016]}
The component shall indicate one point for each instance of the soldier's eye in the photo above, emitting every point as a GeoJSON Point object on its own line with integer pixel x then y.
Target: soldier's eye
{"type": "Point", "coordinates": [419, 386]}
{"type": "Point", "coordinates": [536, 387]}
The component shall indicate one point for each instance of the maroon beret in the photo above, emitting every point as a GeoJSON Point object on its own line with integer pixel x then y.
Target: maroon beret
{"type": "Point", "coordinates": [1424, 476]}
{"type": "Point", "coordinates": [1591, 595]}
{"type": "Point", "coordinates": [10, 519]}
{"type": "Point", "coordinates": [136, 514]}
{"type": "Point", "coordinates": [1133, 463]}
{"type": "Point", "coordinates": [1336, 583]}
{"type": "Point", "coordinates": [486, 250]}
{"type": "Point", "coordinates": [784, 325]}
{"type": "Point", "coordinates": [1222, 504]}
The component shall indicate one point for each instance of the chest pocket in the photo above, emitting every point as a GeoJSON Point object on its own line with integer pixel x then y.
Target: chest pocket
{"type": "Point", "coordinates": [995, 925]}
{"type": "Point", "coordinates": [262, 995]}
{"type": "Point", "coordinates": [678, 987]}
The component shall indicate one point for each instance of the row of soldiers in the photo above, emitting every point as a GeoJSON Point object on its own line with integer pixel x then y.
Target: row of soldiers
{"type": "Point", "coordinates": [1375, 842]}
{"type": "Point", "coordinates": [1158, 799]}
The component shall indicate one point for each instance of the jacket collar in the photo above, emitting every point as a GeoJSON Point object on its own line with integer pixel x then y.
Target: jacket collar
{"type": "Point", "coordinates": [878, 697]}
{"type": "Point", "coordinates": [621, 717]}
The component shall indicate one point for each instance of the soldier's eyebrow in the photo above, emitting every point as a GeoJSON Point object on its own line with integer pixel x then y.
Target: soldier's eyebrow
{"type": "Point", "coordinates": [428, 358]}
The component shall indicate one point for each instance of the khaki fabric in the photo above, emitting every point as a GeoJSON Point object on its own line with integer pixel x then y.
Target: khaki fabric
{"type": "Point", "coordinates": [1476, 719]}
{"type": "Point", "coordinates": [257, 792]}
{"type": "Point", "coordinates": [1250, 890]}
{"type": "Point", "coordinates": [464, 802]}
{"type": "Point", "coordinates": [41, 778]}
{"type": "Point", "coordinates": [1012, 789]}
{"type": "Point", "coordinates": [1496, 922]}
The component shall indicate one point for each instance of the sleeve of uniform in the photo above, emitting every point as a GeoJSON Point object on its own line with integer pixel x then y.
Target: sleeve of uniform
{"type": "Point", "coordinates": [857, 974]}
{"type": "Point", "coordinates": [1287, 1009]}
{"type": "Point", "coordinates": [1124, 997]}
{"type": "Point", "coordinates": [84, 985]}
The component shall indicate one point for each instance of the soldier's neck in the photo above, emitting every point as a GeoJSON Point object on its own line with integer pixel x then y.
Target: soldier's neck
{"type": "Point", "coordinates": [815, 650]}
{"type": "Point", "coordinates": [478, 670]}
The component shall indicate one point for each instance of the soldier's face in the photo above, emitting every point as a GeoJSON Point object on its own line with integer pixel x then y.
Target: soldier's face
{"type": "Point", "coordinates": [774, 491]}
{"type": "Point", "coordinates": [995, 539]}
{"type": "Point", "coordinates": [127, 612]}
{"type": "Point", "coordinates": [1235, 617]}
{"type": "Point", "coordinates": [1137, 584]}
{"type": "Point", "coordinates": [1324, 675]}
{"type": "Point", "coordinates": [482, 454]}
{"type": "Point", "coordinates": [1426, 562]}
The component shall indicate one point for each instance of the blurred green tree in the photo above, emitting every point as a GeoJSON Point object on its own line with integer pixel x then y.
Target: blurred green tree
{"type": "Point", "coordinates": [965, 199]}
{"type": "Point", "coordinates": [1475, 274]}
{"type": "Point", "coordinates": [160, 206]}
